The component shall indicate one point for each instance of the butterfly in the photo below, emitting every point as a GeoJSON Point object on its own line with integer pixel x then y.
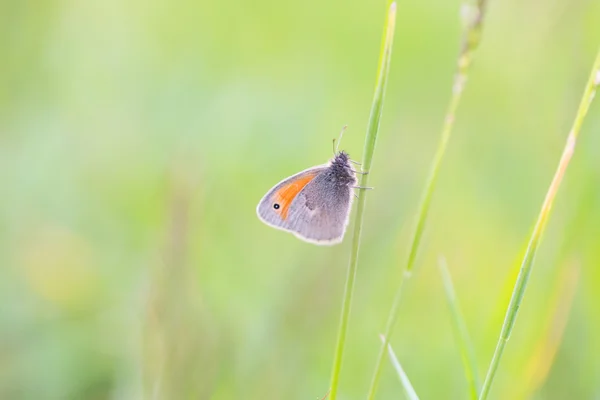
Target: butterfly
{"type": "Point", "coordinates": [313, 204]}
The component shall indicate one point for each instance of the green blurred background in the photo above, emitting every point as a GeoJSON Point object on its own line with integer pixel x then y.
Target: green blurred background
{"type": "Point", "coordinates": [137, 137]}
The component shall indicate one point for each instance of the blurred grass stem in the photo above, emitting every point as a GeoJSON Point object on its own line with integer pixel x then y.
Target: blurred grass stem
{"type": "Point", "coordinates": [409, 391]}
{"type": "Point", "coordinates": [461, 333]}
{"type": "Point", "coordinates": [372, 130]}
{"type": "Point", "coordinates": [540, 225]}
{"type": "Point", "coordinates": [473, 20]}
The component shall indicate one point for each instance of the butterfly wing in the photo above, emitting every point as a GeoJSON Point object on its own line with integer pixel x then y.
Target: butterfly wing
{"type": "Point", "coordinates": [274, 207]}
{"type": "Point", "coordinates": [310, 205]}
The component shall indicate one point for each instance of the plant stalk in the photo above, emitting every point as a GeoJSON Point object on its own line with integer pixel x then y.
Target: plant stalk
{"type": "Point", "coordinates": [409, 391]}
{"type": "Point", "coordinates": [540, 225]}
{"type": "Point", "coordinates": [461, 333]}
{"type": "Point", "coordinates": [370, 140]}
{"type": "Point", "coordinates": [473, 16]}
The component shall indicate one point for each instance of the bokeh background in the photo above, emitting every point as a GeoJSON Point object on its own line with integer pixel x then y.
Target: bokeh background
{"type": "Point", "coordinates": [137, 137]}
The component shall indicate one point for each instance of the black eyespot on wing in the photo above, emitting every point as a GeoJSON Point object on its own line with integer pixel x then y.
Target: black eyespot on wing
{"type": "Point", "coordinates": [276, 206]}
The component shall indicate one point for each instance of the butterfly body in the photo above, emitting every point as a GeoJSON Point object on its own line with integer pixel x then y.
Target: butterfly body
{"type": "Point", "coordinates": [313, 204]}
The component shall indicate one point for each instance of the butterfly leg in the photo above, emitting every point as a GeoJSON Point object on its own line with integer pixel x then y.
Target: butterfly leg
{"type": "Point", "coordinates": [360, 172]}
{"type": "Point", "coordinates": [355, 162]}
{"type": "Point", "coordinates": [362, 187]}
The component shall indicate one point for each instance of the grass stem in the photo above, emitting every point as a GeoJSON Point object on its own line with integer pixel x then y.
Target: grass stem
{"type": "Point", "coordinates": [461, 333]}
{"type": "Point", "coordinates": [370, 140]}
{"type": "Point", "coordinates": [473, 16]}
{"type": "Point", "coordinates": [409, 391]}
{"type": "Point", "coordinates": [540, 225]}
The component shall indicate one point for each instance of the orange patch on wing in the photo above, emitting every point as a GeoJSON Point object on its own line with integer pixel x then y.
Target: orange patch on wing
{"type": "Point", "coordinates": [286, 194]}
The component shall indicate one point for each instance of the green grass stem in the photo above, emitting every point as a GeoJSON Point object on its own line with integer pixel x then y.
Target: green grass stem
{"type": "Point", "coordinates": [473, 15]}
{"type": "Point", "coordinates": [540, 225]}
{"type": "Point", "coordinates": [461, 333]}
{"type": "Point", "coordinates": [409, 391]}
{"type": "Point", "coordinates": [370, 140]}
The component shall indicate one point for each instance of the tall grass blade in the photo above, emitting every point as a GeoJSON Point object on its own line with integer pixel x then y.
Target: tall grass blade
{"type": "Point", "coordinates": [473, 16]}
{"type": "Point", "coordinates": [372, 130]}
{"type": "Point", "coordinates": [461, 333]}
{"type": "Point", "coordinates": [409, 391]}
{"type": "Point", "coordinates": [540, 225]}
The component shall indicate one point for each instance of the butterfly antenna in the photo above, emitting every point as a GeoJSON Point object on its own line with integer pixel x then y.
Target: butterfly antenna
{"type": "Point", "coordinates": [335, 149]}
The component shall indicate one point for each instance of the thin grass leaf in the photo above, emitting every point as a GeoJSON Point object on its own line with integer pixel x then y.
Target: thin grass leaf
{"type": "Point", "coordinates": [409, 391]}
{"type": "Point", "coordinates": [461, 334]}
{"type": "Point", "coordinates": [540, 225]}
{"type": "Point", "coordinates": [370, 140]}
{"type": "Point", "coordinates": [473, 19]}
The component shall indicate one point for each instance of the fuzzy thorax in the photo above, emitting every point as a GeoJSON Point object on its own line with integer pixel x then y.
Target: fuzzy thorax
{"type": "Point", "coordinates": [341, 171]}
